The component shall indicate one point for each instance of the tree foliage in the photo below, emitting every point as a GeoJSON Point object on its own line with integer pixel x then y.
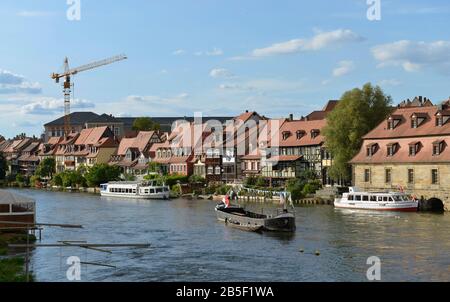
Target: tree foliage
{"type": "Point", "coordinates": [101, 173]}
{"type": "Point", "coordinates": [46, 168]}
{"type": "Point", "coordinates": [358, 112]}
{"type": "Point", "coordinates": [145, 124]}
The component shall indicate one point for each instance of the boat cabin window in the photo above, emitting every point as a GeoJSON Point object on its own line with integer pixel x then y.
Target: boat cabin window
{"type": "Point", "coordinates": [350, 197]}
{"type": "Point", "coordinates": [158, 190]}
{"type": "Point", "coordinates": [365, 198]}
{"type": "Point", "coordinates": [397, 198]}
{"type": "Point", "coordinates": [385, 198]}
{"type": "Point", "coordinates": [152, 191]}
{"type": "Point", "coordinates": [146, 191]}
{"type": "Point", "coordinates": [134, 191]}
{"type": "Point", "coordinates": [380, 198]}
{"type": "Point", "coordinates": [373, 198]}
{"type": "Point", "coordinates": [358, 197]}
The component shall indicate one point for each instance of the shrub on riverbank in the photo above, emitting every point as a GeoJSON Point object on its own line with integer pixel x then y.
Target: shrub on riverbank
{"type": "Point", "coordinates": [12, 270]}
{"type": "Point", "coordinates": [101, 173]}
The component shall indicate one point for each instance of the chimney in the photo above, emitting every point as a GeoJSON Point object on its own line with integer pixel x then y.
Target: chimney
{"type": "Point", "coordinates": [291, 117]}
{"type": "Point", "coordinates": [246, 111]}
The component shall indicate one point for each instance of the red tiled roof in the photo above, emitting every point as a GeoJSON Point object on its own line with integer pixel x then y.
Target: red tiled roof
{"type": "Point", "coordinates": [307, 139]}
{"type": "Point", "coordinates": [284, 158]}
{"type": "Point", "coordinates": [424, 155]}
{"type": "Point", "coordinates": [90, 136]}
{"type": "Point", "coordinates": [403, 129]}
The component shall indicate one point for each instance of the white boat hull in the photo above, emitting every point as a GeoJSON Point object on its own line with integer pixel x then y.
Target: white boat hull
{"type": "Point", "coordinates": [164, 195]}
{"type": "Point", "coordinates": [378, 206]}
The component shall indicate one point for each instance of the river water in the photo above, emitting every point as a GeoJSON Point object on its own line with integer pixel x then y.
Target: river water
{"type": "Point", "coordinates": [189, 244]}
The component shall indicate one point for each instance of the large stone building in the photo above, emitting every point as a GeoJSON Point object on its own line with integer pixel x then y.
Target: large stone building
{"type": "Point", "coordinates": [409, 150]}
{"type": "Point", "coordinates": [119, 126]}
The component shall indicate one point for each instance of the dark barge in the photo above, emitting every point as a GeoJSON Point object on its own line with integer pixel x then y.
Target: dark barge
{"type": "Point", "coordinates": [238, 217]}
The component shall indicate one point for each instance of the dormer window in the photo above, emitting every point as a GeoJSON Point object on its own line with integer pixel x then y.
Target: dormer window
{"type": "Point", "coordinates": [442, 118]}
{"type": "Point", "coordinates": [417, 119]}
{"type": "Point", "coordinates": [414, 148]}
{"type": "Point", "coordinates": [371, 149]}
{"type": "Point", "coordinates": [315, 133]}
{"type": "Point", "coordinates": [286, 135]}
{"type": "Point", "coordinates": [438, 147]}
{"type": "Point", "coordinates": [393, 121]}
{"type": "Point", "coordinates": [300, 134]}
{"type": "Point", "coordinates": [392, 149]}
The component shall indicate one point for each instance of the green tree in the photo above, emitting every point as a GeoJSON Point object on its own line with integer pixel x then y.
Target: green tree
{"type": "Point", "coordinates": [46, 168]}
{"type": "Point", "coordinates": [358, 112]}
{"type": "Point", "coordinates": [154, 167]}
{"type": "Point", "coordinates": [101, 173]}
{"type": "Point", "coordinates": [145, 124]}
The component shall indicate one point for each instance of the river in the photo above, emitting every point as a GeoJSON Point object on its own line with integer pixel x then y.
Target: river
{"type": "Point", "coordinates": [189, 244]}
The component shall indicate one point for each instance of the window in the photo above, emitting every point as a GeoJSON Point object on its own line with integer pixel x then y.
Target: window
{"type": "Point", "coordinates": [315, 133]}
{"type": "Point", "coordinates": [365, 198]}
{"type": "Point", "coordinates": [210, 170]}
{"type": "Point", "coordinates": [286, 135]}
{"type": "Point", "coordinates": [373, 198]}
{"type": "Point", "coordinates": [413, 149]}
{"type": "Point", "coordinates": [217, 170]}
{"type": "Point", "coordinates": [410, 176]}
{"type": "Point", "coordinates": [390, 124]}
{"type": "Point", "coordinates": [414, 122]}
{"type": "Point", "coordinates": [358, 197]}
{"type": "Point", "coordinates": [438, 147]}
{"type": "Point", "coordinates": [350, 197]}
{"type": "Point", "coordinates": [439, 120]}
{"type": "Point", "coordinates": [391, 149]}
{"type": "Point", "coordinates": [367, 175]}
{"type": "Point", "coordinates": [388, 176]}
{"type": "Point", "coordinates": [300, 134]}
{"type": "Point", "coordinates": [434, 176]}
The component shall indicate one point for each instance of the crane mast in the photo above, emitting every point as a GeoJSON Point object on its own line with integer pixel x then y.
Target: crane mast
{"type": "Point", "coordinates": [67, 84]}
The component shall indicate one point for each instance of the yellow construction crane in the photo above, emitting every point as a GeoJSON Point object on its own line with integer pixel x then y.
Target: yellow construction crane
{"type": "Point", "coordinates": [67, 85]}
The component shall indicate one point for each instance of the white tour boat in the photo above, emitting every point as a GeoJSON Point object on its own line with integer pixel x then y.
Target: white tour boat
{"type": "Point", "coordinates": [134, 189]}
{"type": "Point", "coordinates": [381, 201]}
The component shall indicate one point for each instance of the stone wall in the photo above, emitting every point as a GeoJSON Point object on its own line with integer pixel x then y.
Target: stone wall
{"type": "Point", "coordinates": [422, 185]}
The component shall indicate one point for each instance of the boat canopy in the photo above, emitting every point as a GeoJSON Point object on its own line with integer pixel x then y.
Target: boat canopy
{"type": "Point", "coordinates": [7, 197]}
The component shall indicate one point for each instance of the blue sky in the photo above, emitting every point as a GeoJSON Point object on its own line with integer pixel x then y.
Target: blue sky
{"type": "Point", "coordinates": [219, 57]}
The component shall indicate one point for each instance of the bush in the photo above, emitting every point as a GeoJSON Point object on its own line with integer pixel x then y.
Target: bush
{"type": "Point", "coordinates": [250, 181]}
{"type": "Point", "coordinates": [223, 189]}
{"type": "Point", "coordinates": [196, 179]}
{"type": "Point", "coordinates": [176, 178]}
{"type": "Point", "coordinates": [129, 177]}
{"type": "Point", "coordinates": [176, 189]}
{"type": "Point", "coordinates": [35, 181]}
{"type": "Point", "coordinates": [102, 173]}
{"type": "Point", "coordinates": [57, 180]}
{"type": "Point", "coordinates": [261, 182]}
{"type": "Point", "coordinates": [311, 187]}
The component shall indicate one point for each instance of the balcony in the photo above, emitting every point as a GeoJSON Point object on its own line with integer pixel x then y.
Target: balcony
{"type": "Point", "coordinates": [278, 174]}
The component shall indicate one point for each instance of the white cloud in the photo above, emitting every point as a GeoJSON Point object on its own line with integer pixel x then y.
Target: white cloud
{"type": "Point", "coordinates": [158, 100]}
{"type": "Point", "coordinates": [49, 105]}
{"type": "Point", "coordinates": [212, 53]}
{"type": "Point", "coordinates": [11, 83]}
{"type": "Point", "coordinates": [179, 52]}
{"type": "Point", "coordinates": [320, 41]}
{"type": "Point", "coordinates": [343, 68]}
{"type": "Point", "coordinates": [413, 56]}
{"type": "Point", "coordinates": [220, 73]}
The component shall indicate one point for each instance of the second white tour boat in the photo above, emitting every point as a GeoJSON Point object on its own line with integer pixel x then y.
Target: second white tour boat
{"type": "Point", "coordinates": [380, 201]}
{"type": "Point", "coordinates": [133, 189]}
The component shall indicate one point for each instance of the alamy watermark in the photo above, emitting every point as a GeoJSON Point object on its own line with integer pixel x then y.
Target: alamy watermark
{"type": "Point", "coordinates": [374, 10]}
{"type": "Point", "coordinates": [73, 273]}
{"type": "Point", "coordinates": [374, 271]}
{"type": "Point", "coordinates": [74, 10]}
